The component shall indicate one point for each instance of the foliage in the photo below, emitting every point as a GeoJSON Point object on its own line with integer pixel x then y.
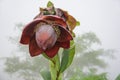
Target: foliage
{"type": "Point", "coordinates": [46, 75]}
{"type": "Point", "coordinates": [89, 76]}
{"type": "Point", "coordinates": [77, 23]}
{"type": "Point", "coordinates": [28, 69]}
{"type": "Point", "coordinates": [50, 4]}
{"type": "Point", "coordinates": [118, 77]}
{"type": "Point", "coordinates": [67, 57]}
{"type": "Point", "coordinates": [88, 54]}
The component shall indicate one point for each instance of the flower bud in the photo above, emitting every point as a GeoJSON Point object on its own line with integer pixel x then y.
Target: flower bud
{"type": "Point", "coordinates": [45, 36]}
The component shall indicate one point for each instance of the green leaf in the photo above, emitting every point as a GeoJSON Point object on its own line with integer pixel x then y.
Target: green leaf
{"type": "Point", "coordinates": [53, 71]}
{"type": "Point", "coordinates": [54, 67]}
{"type": "Point", "coordinates": [67, 58]}
{"type": "Point", "coordinates": [46, 56]}
{"type": "Point", "coordinates": [46, 75]}
{"type": "Point", "coordinates": [71, 53]}
{"type": "Point", "coordinates": [73, 34]}
{"type": "Point", "coordinates": [50, 4]}
{"type": "Point", "coordinates": [77, 23]}
{"type": "Point", "coordinates": [46, 12]}
{"type": "Point", "coordinates": [51, 59]}
{"type": "Point", "coordinates": [118, 77]}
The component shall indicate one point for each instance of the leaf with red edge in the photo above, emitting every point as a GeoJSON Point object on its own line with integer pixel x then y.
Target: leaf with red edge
{"type": "Point", "coordinates": [52, 52]}
{"type": "Point", "coordinates": [55, 20]}
{"type": "Point", "coordinates": [33, 47]}
{"type": "Point", "coordinates": [64, 44]}
{"type": "Point", "coordinates": [64, 35]}
{"type": "Point", "coordinates": [28, 31]}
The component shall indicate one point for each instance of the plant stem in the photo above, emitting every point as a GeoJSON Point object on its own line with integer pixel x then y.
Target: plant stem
{"type": "Point", "coordinates": [55, 68]}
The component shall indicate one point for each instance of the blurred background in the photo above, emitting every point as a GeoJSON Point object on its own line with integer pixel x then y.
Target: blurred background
{"type": "Point", "coordinates": [97, 39]}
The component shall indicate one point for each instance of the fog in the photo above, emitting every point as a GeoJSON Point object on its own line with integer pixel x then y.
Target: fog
{"type": "Point", "coordinates": [99, 16]}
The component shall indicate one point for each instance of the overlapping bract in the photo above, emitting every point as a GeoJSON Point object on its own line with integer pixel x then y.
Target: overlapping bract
{"type": "Point", "coordinates": [50, 30]}
{"type": "Point", "coordinates": [44, 37]}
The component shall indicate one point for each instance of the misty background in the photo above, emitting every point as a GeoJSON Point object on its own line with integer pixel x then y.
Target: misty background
{"type": "Point", "coordinates": [99, 16]}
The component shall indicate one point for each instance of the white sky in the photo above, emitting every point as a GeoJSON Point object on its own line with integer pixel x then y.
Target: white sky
{"type": "Point", "coordinates": [99, 16]}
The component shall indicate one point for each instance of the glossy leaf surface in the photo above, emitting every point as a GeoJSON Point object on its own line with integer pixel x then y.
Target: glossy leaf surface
{"type": "Point", "coordinates": [67, 57]}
